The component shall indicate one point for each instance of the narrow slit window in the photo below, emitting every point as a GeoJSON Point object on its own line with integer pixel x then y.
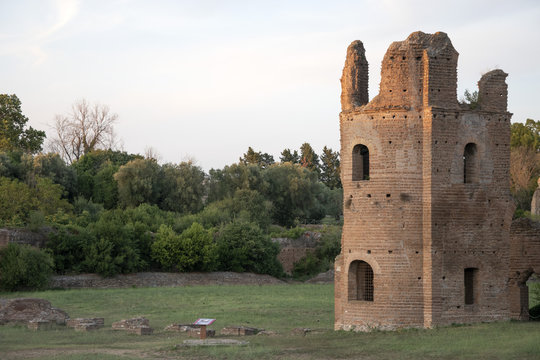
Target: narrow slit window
{"type": "Point", "coordinates": [360, 281]}
{"type": "Point", "coordinates": [471, 286]}
{"type": "Point", "coordinates": [470, 164]}
{"type": "Point", "coordinates": [360, 160]}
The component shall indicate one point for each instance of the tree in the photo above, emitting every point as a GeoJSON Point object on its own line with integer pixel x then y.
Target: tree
{"type": "Point", "coordinates": [13, 136]}
{"type": "Point", "coordinates": [524, 161]}
{"type": "Point", "coordinates": [257, 158]}
{"type": "Point", "coordinates": [87, 128]}
{"type": "Point", "coordinates": [182, 187]}
{"type": "Point", "coordinates": [288, 156]}
{"type": "Point", "coordinates": [95, 172]}
{"type": "Point", "coordinates": [138, 182]}
{"type": "Point", "coordinates": [18, 200]}
{"type": "Point", "coordinates": [293, 191]}
{"type": "Point", "coordinates": [527, 135]}
{"type": "Point", "coordinates": [53, 167]}
{"type": "Point", "coordinates": [309, 158]}
{"type": "Point", "coordinates": [330, 171]}
{"type": "Point", "coordinates": [224, 183]}
{"type": "Point", "coordinates": [470, 99]}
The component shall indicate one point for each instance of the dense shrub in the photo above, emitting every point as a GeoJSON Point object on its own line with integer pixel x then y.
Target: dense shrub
{"type": "Point", "coordinates": [534, 313]}
{"type": "Point", "coordinates": [24, 267]}
{"type": "Point", "coordinates": [192, 250]}
{"type": "Point", "coordinates": [68, 246]}
{"type": "Point", "coordinates": [322, 259]}
{"type": "Point", "coordinates": [243, 247]}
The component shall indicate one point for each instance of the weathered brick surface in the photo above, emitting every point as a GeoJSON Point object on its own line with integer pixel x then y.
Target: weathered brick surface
{"type": "Point", "coordinates": [422, 216]}
{"type": "Point", "coordinates": [85, 322]}
{"type": "Point", "coordinates": [138, 325]}
{"type": "Point", "coordinates": [23, 310]}
{"type": "Point", "coordinates": [524, 261]}
{"type": "Point", "coordinates": [239, 331]}
{"type": "Point", "coordinates": [293, 250]}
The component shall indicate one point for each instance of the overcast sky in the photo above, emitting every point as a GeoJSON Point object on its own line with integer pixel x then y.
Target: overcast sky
{"type": "Point", "coordinates": [206, 79]}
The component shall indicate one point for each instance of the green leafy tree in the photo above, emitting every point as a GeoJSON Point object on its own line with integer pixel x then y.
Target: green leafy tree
{"type": "Point", "coordinates": [251, 157]}
{"type": "Point", "coordinates": [288, 156]}
{"type": "Point", "coordinates": [470, 99]}
{"type": "Point", "coordinates": [182, 187]}
{"type": "Point", "coordinates": [105, 188]}
{"type": "Point", "coordinates": [16, 165]}
{"type": "Point", "coordinates": [18, 200]}
{"type": "Point", "coordinates": [223, 183]}
{"type": "Point", "coordinates": [243, 247]}
{"type": "Point", "coordinates": [309, 159]}
{"type": "Point", "coordinates": [13, 135]}
{"type": "Point", "coordinates": [526, 135]}
{"type": "Point", "coordinates": [192, 250]}
{"type": "Point", "coordinates": [330, 168]}
{"type": "Point", "coordinates": [53, 167]}
{"type": "Point", "coordinates": [23, 267]}
{"type": "Point", "coordinates": [90, 185]}
{"type": "Point", "coordinates": [138, 182]}
{"type": "Point", "coordinates": [293, 191]}
{"type": "Point", "coordinates": [524, 162]}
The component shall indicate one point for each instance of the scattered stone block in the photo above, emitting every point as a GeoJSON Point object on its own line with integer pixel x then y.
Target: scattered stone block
{"type": "Point", "coordinates": [73, 323]}
{"type": "Point", "coordinates": [142, 330]}
{"type": "Point", "coordinates": [179, 327]}
{"type": "Point", "coordinates": [300, 331]}
{"type": "Point", "coordinates": [239, 331]}
{"type": "Point", "coordinates": [39, 324]}
{"type": "Point", "coordinates": [23, 310]}
{"type": "Point", "coordinates": [130, 323]}
{"type": "Point", "coordinates": [139, 326]}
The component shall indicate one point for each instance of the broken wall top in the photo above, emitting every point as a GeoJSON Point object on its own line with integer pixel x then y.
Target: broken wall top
{"type": "Point", "coordinates": [418, 72]}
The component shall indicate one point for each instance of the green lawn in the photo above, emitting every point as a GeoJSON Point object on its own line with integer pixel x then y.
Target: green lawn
{"type": "Point", "coordinates": [279, 308]}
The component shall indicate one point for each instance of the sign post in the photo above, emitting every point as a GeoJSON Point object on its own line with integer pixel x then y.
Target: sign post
{"type": "Point", "coordinates": [202, 323]}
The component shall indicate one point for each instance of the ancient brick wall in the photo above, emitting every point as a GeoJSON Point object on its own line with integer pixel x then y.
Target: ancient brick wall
{"type": "Point", "coordinates": [524, 261]}
{"type": "Point", "coordinates": [431, 210]}
{"type": "Point", "coordinates": [293, 250]}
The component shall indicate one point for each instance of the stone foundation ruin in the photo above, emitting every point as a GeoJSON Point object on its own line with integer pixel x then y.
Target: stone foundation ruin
{"type": "Point", "coordinates": [427, 206]}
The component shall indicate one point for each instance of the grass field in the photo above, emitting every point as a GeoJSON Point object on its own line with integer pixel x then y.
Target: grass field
{"type": "Point", "coordinates": [279, 308]}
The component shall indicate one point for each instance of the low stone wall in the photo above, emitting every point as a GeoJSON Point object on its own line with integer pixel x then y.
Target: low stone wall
{"type": "Point", "coordinates": [157, 279]}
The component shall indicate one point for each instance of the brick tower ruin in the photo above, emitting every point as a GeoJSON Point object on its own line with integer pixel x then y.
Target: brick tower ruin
{"type": "Point", "coordinates": [427, 206]}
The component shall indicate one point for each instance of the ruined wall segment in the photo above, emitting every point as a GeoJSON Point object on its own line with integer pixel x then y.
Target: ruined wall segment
{"type": "Point", "coordinates": [418, 72]}
{"type": "Point", "coordinates": [524, 261]}
{"type": "Point", "coordinates": [426, 233]}
{"type": "Point", "coordinates": [354, 81]}
{"type": "Point", "coordinates": [493, 91]}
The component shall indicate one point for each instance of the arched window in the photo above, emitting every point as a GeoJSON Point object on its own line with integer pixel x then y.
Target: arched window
{"type": "Point", "coordinates": [360, 281]}
{"type": "Point", "coordinates": [470, 164]}
{"type": "Point", "coordinates": [360, 163]}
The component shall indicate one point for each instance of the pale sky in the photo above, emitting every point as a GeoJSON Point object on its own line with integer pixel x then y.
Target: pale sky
{"type": "Point", "coordinates": [206, 79]}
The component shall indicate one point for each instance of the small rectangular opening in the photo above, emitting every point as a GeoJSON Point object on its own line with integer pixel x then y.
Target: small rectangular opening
{"type": "Point", "coordinates": [471, 287]}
